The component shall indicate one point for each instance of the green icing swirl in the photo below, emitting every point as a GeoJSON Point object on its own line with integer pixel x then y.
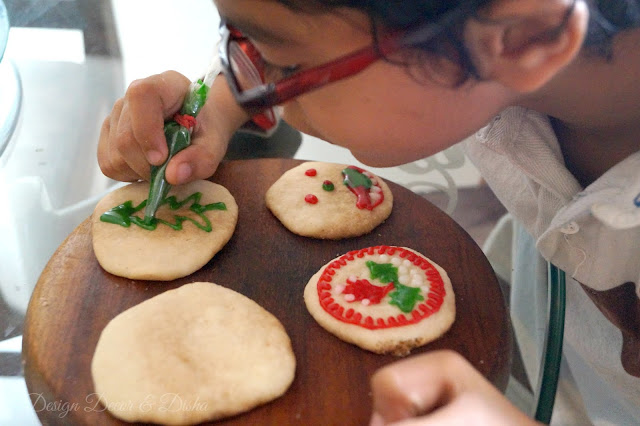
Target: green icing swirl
{"type": "Point", "coordinates": [124, 214]}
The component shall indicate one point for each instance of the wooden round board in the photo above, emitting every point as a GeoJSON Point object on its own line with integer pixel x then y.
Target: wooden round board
{"type": "Point", "coordinates": [75, 299]}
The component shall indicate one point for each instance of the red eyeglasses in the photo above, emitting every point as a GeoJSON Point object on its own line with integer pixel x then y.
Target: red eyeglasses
{"type": "Point", "coordinates": [245, 69]}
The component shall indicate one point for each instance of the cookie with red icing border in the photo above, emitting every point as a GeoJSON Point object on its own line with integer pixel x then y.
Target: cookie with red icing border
{"type": "Point", "coordinates": [384, 299]}
{"type": "Point", "coordinates": [329, 201]}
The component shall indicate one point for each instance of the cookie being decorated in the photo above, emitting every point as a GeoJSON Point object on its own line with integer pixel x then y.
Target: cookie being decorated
{"type": "Point", "coordinates": [197, 353]}
{"type": "Point", "coordinates": [192, 224]}
{"type": "Point", "coordinates": [329, 201]}
{"type": "Point", "coordinates": [384, 299]}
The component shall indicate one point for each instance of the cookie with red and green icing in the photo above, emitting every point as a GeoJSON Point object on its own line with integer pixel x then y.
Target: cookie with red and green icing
{"type": "Point", "coordinates": [329, 201]}
{"type": "Point", "coordinates": [385, 299]}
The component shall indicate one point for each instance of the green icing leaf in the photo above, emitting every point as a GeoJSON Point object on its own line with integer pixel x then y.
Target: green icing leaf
{"type": "Point", "coordinates": [405, 297]}
{"type": "Point", "coordinates": [354, 178]}
{"type": "Point", "coordinates": [385, 272]}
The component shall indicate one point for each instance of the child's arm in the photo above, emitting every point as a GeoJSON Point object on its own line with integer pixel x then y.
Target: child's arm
{"type": "Point", "coordinates": [439, 388]}
{"type": "Point", "coordinates": [132, 136]}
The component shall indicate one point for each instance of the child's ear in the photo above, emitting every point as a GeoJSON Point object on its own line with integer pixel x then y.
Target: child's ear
{"type": "Point", "coordinates": [523, 44]}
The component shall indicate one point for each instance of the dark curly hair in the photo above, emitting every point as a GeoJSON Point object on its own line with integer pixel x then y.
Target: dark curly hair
{"type": "Point", "coordinates": [607, 18]}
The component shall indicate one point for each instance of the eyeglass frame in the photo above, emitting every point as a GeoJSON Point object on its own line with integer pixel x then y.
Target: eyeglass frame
{"type": "Point", "coordinates": [270, 94]}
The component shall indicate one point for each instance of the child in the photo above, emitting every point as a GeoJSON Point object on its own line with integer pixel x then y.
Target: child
{"type": "Point", "coordinates": [548, 87]}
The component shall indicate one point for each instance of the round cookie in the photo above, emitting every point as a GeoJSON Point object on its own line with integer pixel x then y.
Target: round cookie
{"type": "Point", "coordinates": [163, 253]}
{"type": "Point", "coordinates": [313, 200]}
{"type": "Point", "coordinates": [384, 299]}
{"type": "Point", "coordinates": [197, 353]}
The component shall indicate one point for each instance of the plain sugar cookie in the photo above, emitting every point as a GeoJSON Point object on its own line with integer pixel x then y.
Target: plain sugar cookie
{"type": "Point", "coordinates": [197, 222]}
{"type": "Point", "coordinates": [384, 299]}
{"type": "Point", "coordinates": [329, 201]}
{"type": "Point", "coordinates": [197, 353]}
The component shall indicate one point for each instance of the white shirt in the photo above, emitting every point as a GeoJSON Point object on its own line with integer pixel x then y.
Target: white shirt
{"type": "Point", "coordinates": [593, 234]}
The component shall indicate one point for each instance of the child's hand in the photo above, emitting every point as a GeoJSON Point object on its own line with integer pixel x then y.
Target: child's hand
{"type": "Point", "coordinates": [132, 136]}
{"type": "Point", "coordinates": [439, 388]}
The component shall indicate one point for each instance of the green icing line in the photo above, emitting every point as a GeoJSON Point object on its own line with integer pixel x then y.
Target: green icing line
{"type": "Point", "coordinates": [124, 214]}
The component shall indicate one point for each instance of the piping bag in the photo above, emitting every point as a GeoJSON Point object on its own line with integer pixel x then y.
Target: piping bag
{"type": "Point", "coordinates": [177, 132]}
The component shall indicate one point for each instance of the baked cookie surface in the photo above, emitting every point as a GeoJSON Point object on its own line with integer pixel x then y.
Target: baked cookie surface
{"type": "Point", "coordinates": [384, 299]}
{"type": "Point", "coordinates": [197, 353]}
{"type": "Point", "coordinates": [193, 227]}
{"type": "Point", "coordinates": [329, 201]}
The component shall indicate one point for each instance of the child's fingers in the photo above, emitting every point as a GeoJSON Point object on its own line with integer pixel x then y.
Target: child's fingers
{"type": "Point", "coordinates": [416, 385]}
{"type": "Point", "coordinates": [217, 121]}
{"type": "Point", "coordinates": [109, 159]}
{"type": "Point", "coordinates": [128, 148]}
{"type": "Point", "coordinates": [439, 388]}
{"type": "Point", "coordinates": [198, 161]}
{"type": "Point", "coordinates": [464, 410]}
{"type": "Point", "coordinates": [148, 103]}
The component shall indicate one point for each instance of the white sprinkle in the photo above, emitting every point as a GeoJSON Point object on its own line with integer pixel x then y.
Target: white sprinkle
{"type": "Point", "coordinates": [406, 263]}
{"type": "Point", "coordinates": [376, 189]}
{"type": "Point", "coordinates": [403, 278]}
{"type": "Point", "coordinates": [396, 261]}
{"type": "Point", "coordinates": [375, 196]}
{"type": "Point", "coordinates": [416, 282]}
{"type": "Point", "coordinates": [338, 289]}
{"type": "Point", "coordinates": [384, 258]}
{"type": "Point", "coordinates": [374, 181]}
{"type": "Point", "coordinates": [349, 297]}
{"type": "Point", "coordinates": [352, 279]}
{"type": "Point", "coordinates": [402, 270]}
{"type": "Point", "coordinates": [365, 302]}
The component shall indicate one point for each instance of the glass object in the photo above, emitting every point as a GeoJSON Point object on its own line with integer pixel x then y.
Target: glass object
{"type": "Point", "coordinates": [10, 89]}
{"type": "Point", "coordinates": [4, 28]}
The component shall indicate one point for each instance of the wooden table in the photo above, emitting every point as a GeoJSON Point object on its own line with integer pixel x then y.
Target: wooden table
{"type": "Point", "coordinates": [75, 299]}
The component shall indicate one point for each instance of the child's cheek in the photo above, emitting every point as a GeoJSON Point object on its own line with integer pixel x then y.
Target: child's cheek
{"type": "Point", "coordinates": [295, 116]}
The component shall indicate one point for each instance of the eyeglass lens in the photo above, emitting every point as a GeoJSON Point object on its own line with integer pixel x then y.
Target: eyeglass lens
{"type": "Point", "coordinates": [243, 67]}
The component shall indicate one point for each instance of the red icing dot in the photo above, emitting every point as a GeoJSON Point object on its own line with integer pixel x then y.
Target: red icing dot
{"type": "Point", "coordinates": [311, 199]}
{"type": "Point", "coordinates": [311, 172]}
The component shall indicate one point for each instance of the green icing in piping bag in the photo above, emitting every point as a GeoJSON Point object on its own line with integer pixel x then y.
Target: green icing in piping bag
{"type": "Point", "coordinates": [177, 132]}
